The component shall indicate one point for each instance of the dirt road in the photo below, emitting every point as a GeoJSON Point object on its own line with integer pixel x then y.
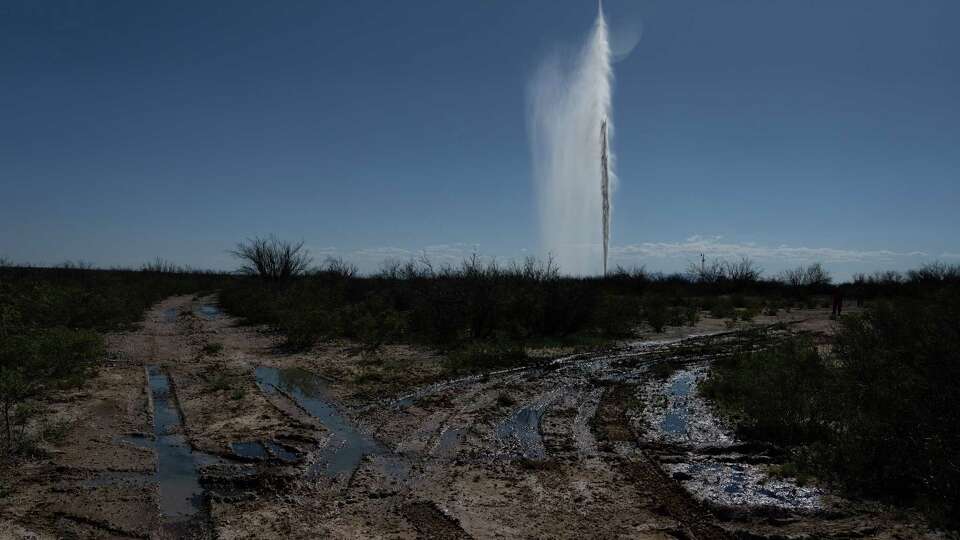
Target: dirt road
{"type": "Point", "coordinates": [197, 427]}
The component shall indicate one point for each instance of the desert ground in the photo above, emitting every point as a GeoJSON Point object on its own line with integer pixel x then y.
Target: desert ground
{"type": "Point", "coordinates": [199, 427]}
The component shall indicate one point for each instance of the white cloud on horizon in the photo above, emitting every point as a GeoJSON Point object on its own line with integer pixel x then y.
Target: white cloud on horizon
{"type": "Point", "coordinates": [715, 247]}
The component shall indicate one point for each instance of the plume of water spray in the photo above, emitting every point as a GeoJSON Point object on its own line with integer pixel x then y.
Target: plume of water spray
{"type": "Point", "coordinates": [605, 190]}
{"type": "Point", "coordinates": [570, 121]}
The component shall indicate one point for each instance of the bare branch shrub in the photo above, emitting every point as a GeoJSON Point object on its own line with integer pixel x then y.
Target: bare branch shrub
{"type": "Point", "coordinates": [274, 260]}
{"type": "Point", "coordinates": [935, 272]}
{"type": "Point", "coordinates": [162, 266]}
{"type": "Point", "coordinates": [706, 273]}
{"type": "Point", "coordinates": [336, 266]}
{"type": "Point", "coordinates": [75, 265]}
{"type": "Point", "coordinates": [813, 275]}
{"type": "Point", "coordinates": [743, 271]}
{"type": "Point", "coordinates": [535, 270]}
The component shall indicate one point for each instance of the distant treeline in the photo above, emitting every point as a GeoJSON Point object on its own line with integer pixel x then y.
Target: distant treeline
{"type": "Point", "coordinates": [517, 303]}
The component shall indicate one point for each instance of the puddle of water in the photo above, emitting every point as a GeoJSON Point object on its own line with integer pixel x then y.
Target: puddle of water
{"type": "Point", "coordinates": [170, 315]}
{"type": "Point", "coordinates": [263, 450]}
{"type": "Point", "coordinates": [675, 419]}
{"type": "Point", "coordinates": [678, 415]}
{"type": "Point", "coordinates": [520, 434]}
{"type": "Point", "coordinates": [347, 446]}
{"type": "Point", "coordinates": [732, 484]}
{"type": "Point", "coordinates": [249, 450]}
{"type": "Point", "coordinates": [208, 311]}
{"type": "Point", "coordinates": [281, 453]}
{"type": "Point", "coordinates": [180, 492]}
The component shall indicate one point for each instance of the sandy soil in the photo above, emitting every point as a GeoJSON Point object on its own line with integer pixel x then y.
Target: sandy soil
{"type": "Point", "coordinates": [544, 452]}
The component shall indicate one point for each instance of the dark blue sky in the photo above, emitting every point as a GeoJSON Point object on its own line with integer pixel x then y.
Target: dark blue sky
{"type": "Point", "coordinates": [788, 131]}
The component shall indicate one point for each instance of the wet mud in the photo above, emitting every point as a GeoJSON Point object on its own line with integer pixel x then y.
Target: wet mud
{"type": "Point", "coordinates": [208, 311]}
{"type": "Point", "coordinates": [519, 433]}
{"type": "Point", "coordinates": [252, 443]}
{"type": "Point", "coordinates": [181, 496]}
{"type": "Point", "coordinates": [346, 445]}
{"type": "Point", "coordinates": [707, 459]}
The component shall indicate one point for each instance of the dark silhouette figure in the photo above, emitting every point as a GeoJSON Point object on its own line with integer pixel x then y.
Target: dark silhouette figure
{"type": "Point", "coordinates": [837, 303]}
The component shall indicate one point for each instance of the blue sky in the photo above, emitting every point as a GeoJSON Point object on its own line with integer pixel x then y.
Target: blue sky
{"type": "Point", "coordinates": [785, 131]}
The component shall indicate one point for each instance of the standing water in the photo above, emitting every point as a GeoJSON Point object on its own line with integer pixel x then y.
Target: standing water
{"type": "Point", "coordinates": [181, 495]}
{"type": "Point", "coordinates": [570, 111]}
{"type": "Point", "coordinates": [520, 434]}
{"type": "Point", "coordinates": [712, 467]}
{"type": "Point", "coordinates": [208, 311]}
{"type": "Point", "coordinates": [347, 446]}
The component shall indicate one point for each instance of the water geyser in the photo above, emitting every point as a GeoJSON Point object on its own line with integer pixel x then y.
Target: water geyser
{"type": "Point", "coordinates": [571, 127]}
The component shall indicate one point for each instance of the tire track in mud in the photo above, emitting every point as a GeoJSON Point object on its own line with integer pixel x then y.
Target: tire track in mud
{"type": "Point", "coordinates": [182, 499]}
{"type": "Point", "coordinates": [578, 381]}
{"type": "Point", "coordinates": [521, 432]}
{"type": "Point", "coordinates": [101, 525]}
{"type": "Point", "coordinates": [565, 400]}
{"type": "Point", "coordinates": [612, 425]}
{"type": "Point", "coordinates": [566, 425]}
{"type": "Point", "coordinates": [371, 454]}
{"type": "Point", "coordinates": [434, 436]}
{"type": "Point", "coordinates": [489, 382]}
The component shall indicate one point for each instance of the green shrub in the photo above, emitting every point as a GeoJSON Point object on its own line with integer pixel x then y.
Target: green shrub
{"type": "Point", "coordinates": [372, 322]}
{"type": "Point", "coordinates": [617, 315]}
{"type": "Point", "coordinates": [656, 313]}
{"type": "Point", "coordinates": [898, 371]}
{"type": "Point", "coordinates": [37, 361]}
{"type": "Point", "coordinates": [722, 308]}
{"type": "Point", "coordinates": [663, 369]}
{"type": "Point", "coordinates": [879, 416]}
{"type": "Point", "coordinates": [303, 328]}
{"type": "Point", "coordinates": [212, 348]}
{"type": "Point", "coordinates": [749, 313]}
{"type": "Point", "coordinates": [220, 381]}
{"type": "Point", "coordinates": [750, 388]}
{"type": "Point", "coordinates": [675, 316]}
{"type": "Point", "coordinates": [505, 400]}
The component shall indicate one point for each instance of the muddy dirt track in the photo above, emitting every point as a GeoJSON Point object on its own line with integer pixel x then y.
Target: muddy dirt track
{"type": "Point", "coordinates": [199, 428]}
